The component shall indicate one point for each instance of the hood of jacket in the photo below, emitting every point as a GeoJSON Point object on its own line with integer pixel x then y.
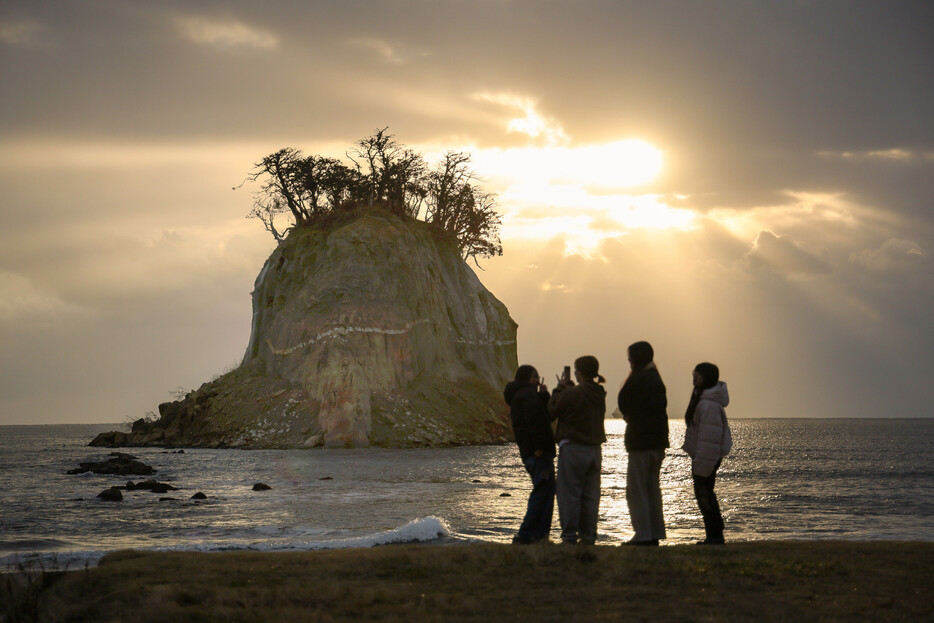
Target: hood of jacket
{"type": "Point", "coordinates": [580, 410]}
{"type": "Point", "coordinates": [511, 388]}
{"type": "Point", "coordinates": [718, 394]}
{"type": "Point", "coordinates": [593, 393]}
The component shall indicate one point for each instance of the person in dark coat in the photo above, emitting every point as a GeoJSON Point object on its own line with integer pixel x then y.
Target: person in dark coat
{"type": "Point", "coordinates": [527, 398]}
{"type": "Point", "coordinates": [580, 410]}
{"type": "Point", "coordinates": [643, 402]}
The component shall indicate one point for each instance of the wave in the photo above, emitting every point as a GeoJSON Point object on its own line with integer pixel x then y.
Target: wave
{"type": "Point", "coordinates": [422, 530]}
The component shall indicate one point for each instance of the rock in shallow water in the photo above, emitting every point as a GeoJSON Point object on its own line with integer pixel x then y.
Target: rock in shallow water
{"type": "Point", "coordinates": [121, 464]}
{"type": "Point", "coordinates": [111, 495]}
{"type": "Point", "coordinates": [150, 485]}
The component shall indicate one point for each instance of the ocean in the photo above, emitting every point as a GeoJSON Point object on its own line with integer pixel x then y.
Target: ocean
{"type": "Point", "coordinates": [785, 479]}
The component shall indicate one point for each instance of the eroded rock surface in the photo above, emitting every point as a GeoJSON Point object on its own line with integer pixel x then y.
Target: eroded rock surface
{"type": "Point", "coordinates": [371, 332]}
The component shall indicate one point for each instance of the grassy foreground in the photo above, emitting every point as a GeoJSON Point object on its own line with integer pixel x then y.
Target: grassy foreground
{"type": "Point", "coordinates": [762, 581]}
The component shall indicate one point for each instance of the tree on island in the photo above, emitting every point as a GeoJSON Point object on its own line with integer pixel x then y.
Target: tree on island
{"type": "Point", "coordinates": [382, 175]}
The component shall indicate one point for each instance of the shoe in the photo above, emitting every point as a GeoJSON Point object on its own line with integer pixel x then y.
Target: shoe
{"type": "Point", "coordinates": [647, 543]}
{"type": "Point", "coordinates": [711, 542]}
{"type": "Point", "coordinates": [521, 540]}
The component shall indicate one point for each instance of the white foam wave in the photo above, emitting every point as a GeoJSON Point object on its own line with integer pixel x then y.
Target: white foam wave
{"type": "Point", "coordinates": [422, 530]}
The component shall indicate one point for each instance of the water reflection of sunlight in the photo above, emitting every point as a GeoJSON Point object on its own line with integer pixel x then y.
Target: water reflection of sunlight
{"type": "Point", "coordinates": [681, 514]}
{"type": "Point", "coordinates": [484, 514]}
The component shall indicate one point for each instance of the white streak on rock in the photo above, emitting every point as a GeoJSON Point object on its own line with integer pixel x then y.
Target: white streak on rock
{"type": "Point", "coordinates": [337, 332]}
{"type": "Point", "coordinates": [341, 332]}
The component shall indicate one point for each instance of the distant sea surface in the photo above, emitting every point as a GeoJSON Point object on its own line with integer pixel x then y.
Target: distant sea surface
{"type": "Point", "coordinates": [786, 479]}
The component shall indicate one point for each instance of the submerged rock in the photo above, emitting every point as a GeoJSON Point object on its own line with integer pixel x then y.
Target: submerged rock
{"type": "Point", "coordinates": [112, 439]}
{"type": "Point", "coordinates": [261, 486]}
{"type": "Point", "coordinates": [367, 332]}
{"type": "Point", "coordinates": [150, 485]}
{"type": "Point", "coordinates": [111, 495]}
{"type": "Point", "coordinates": [121, 464]}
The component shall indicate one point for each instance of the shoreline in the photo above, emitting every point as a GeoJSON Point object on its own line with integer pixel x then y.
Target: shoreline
{"type": "Point", "coordinates": [753, 580]}
{"type": "Point", "coordinates": [123, 424]}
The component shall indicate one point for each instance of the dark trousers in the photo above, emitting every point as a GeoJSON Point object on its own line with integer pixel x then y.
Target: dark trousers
{"type": "Point", "coordinates": [708, 504]}
{"type": "Point", "coordinates": [537, 523]}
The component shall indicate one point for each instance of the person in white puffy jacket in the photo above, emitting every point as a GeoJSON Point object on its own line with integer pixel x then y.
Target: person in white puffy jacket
{"type": "Point", "coordinates": [707, 440]}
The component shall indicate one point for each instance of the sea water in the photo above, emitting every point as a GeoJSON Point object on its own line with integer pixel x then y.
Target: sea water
{"type": "Point", "coordinates": [785, 479]}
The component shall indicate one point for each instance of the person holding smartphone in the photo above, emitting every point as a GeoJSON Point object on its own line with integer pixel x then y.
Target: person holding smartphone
{"type": "Point", "coordinates": [527, 398]}
{"type": "Point", "coordinates": [579, 410]}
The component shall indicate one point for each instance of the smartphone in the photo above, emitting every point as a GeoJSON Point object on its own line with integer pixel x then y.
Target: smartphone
{"type": "Point", "coordinates": [567, 372]}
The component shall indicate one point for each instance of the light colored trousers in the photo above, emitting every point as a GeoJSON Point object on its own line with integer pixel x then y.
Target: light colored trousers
{"type": "Point", "coordinates": [644, 494]}
{"type": "Point", "coordinates": [578, 491]}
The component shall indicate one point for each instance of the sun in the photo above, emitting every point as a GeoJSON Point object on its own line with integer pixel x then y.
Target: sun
{"type": "Point", "coordinates": [581, 193]}
{"type": "Point", "coordinates": [626, 163]}
{"type": "Point", "coordinates": [604, 167]}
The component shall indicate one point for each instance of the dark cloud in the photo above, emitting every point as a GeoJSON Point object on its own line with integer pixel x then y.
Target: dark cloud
{"type": "Point", "coordinates": [783, 255]}
{"type": "Point", "coordinates": [893, 256]}
{"type": "Point", "coordinates": [800, 133]}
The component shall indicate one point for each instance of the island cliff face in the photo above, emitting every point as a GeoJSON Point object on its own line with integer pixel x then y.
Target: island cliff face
{"type": "Point", "coordinates": [371, 332]}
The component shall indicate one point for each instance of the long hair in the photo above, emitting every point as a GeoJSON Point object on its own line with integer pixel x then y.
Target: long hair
{"type": "Point", "coordinates": [589, 368]}
{"type": "Point", "coordinates": [525, 373]}
{"type": "Point", "coordinates": [641, 354]}
{"type": "Point", "coordinates": [711, 376]}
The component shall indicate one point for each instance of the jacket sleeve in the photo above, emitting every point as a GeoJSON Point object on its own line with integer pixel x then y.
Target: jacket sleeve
{"type": "Point", "coordinates": [537, 420]}
{"type": "Point", "coordinates": [710, 436]}
{"type": "Point", "coordinates": [517, 416]}
{"type": "Point", "coordinates": [558, 403]}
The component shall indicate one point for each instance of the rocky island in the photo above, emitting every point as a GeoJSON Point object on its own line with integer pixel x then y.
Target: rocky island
{"type": "Point", "coordinates": [368, 329]}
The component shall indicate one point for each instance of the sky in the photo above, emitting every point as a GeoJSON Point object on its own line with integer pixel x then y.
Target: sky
{"type": "Point", "coordinates": [748, 183]}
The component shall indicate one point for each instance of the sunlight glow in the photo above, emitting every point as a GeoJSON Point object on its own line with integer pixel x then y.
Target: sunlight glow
{"type": "Point", "coordinates": [802, 208]}
{"type": "Point", "coordinates": [532, 123]}
{"type": "Point", "coordinates": [603, 167]}
{"type": "Point", "coordinates": [579, 193]}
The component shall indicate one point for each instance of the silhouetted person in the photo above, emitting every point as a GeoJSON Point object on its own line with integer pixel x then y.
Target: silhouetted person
{"type": "Point", "coordinates": [707, 440]}
{"type": "Point", "coordinates": [580, 410]}
{"type": "Point", "coordinates": [527, 398]}
{"type": "Point", "coordinates": [643, 402]}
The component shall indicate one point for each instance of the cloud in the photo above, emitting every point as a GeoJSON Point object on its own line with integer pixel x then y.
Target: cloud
{"type": "Point", "coordinates": [783, 255]}
{"type": "Point", "coordinates": [389, 53]}
{"type": "Point", "coordinates": [892, 255]}
{"type": "Point", "coordinates": [125, 273]}
{"type": "Point", "coordinates": [22, 33]}
{"type": "Point", "coordinates": [531, 123]}
{"type": "Point", "coordinates": [896, 154]}
{"type": "Point", "coordinates": [21, 301]}
{"type": "Point", "coordinates": [225, 34]}
{"type": "Point", "coordinates": [158, 138]}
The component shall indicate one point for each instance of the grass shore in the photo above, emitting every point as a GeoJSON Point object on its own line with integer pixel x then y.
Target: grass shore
{"type": "Point", "coordinates": [758, 581]}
